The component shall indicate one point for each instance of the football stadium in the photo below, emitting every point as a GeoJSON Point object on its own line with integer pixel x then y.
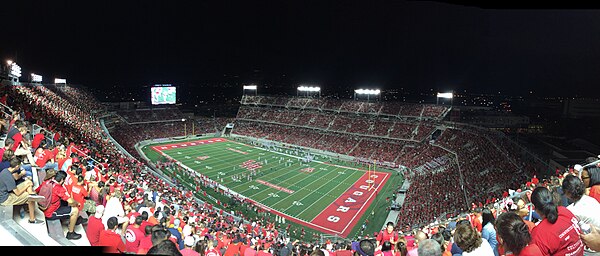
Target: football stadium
{"type": "Point", "coordinates": [289, 170]}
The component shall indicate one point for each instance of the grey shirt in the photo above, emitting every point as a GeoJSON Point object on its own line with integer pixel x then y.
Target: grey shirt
{"type": "Point", "coordinates": [7, 184]}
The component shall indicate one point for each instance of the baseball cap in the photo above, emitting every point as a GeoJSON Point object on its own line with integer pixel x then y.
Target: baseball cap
{"type": "Point", "coordinates": [189, 241]}
{"type": "Point", "coordinates": [99, 211]}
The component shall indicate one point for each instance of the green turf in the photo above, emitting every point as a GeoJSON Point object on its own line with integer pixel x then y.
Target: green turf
{"type": "Point", "coordinates": [313, 191]}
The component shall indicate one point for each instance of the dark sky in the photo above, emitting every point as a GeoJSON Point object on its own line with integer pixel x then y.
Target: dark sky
{"type": "Point", "coordinates": [385, 44]}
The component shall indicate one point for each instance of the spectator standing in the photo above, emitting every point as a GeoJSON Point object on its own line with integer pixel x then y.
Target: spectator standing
{"type": "Point", "coordinates": [558, 232]}
{"type": "Point", "coordinates": [488, 231]}
{"type": "Point", "coordinates": [389, 234]}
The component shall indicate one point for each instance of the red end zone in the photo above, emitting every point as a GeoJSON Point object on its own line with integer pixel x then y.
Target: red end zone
{"type": "Point", "coordinates": [342, 215]}
{"type": "Point", "coordinates": [344, 212]}
{"type": "Point", "coordinates": [187, 144]}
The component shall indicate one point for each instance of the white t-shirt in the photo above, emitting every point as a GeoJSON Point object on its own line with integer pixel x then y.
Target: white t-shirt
{"type": "Point", "coordinates": [483, 250]}
{"type": "Point", "coordinates": [586, 209]}
{"type": "Point", "coordinates": [113, 208]}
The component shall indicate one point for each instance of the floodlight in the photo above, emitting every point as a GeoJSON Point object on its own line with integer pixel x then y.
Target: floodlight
{"type": "Point", "coordinates": [309, 89]}
{"type": "Point", "coordinates": [445, 95]}
{"type": "Point", "coordinates": [9, 62]}
{"type": "Point", "coordinates": [36, 78]}
{"type": "Point", "coordinates": [60, 81]}
{"type": "Point", "coordinates": [249, 87]}
{"type": "Point", "coordinates": [367, 91]}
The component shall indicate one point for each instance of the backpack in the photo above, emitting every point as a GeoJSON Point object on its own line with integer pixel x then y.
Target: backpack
{"type": "Point", "coordinates": [46, 192]}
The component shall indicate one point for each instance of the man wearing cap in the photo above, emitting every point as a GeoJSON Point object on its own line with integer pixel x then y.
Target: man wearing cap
{"type": "Point", "coordinates": [189, 243]}
{"type": "Point", "coordinates": [174, 229]}
{"type": "Point", "coordinates": [95, 226]}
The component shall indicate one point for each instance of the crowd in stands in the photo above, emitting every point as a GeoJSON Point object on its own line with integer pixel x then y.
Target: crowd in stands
{"type": "Point", "coordinates": [539, 217]}
{"type": "Point", "coordinates": [127, 208]}
{"type": "Point", "coordinates": [350, 106]}
{"type": "Point", "coordinates": [477, 165]}
{"type": "Point", "coordinates": [339, 122]}
{"type": "Point", "coordinates": [123, 194]}
{"type": "Point", "coordinates": [151, 115]}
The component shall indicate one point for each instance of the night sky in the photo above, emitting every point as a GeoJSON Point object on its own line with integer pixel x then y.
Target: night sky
{"type": "Point", "coordinates": [415, 45]}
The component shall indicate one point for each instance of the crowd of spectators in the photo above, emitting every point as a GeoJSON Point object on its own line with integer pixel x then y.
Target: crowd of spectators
{"type": "Point", "coordinates": [151, 115]}
{"type": "Point", "coordinates": [131, 209]}
{"type": "Point", "coordinates": [405, 129]}
{"type": "Point", "coordinates": [334, 104]}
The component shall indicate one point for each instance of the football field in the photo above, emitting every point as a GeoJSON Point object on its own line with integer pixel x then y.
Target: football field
{"type": "Point", "coordinates": [318, 194]}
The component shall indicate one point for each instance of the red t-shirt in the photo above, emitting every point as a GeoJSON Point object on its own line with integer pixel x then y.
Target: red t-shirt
{"type": "Point", "coordinates": [60, 162]}
{"type": "Point", "coordinates": [17, 137]}
{"type": "Point", "coordinates": [477, 223]}
{"type": "Point", "coordinates": [2, 150]}
{"type": "Point", "coordinates": [531, 250]}
{"type": "Point", "coordinates": [93, 230]}
{"type": "Point", "coordinates": [145, 245]}
{"type": "Point", "coordinates": [112, 242]}
{"type": "Point", "coordinates": [385, 236]}
{"type": "Point", "coordinates": [43, 156]}
{"type": "Point", "coordinates": [59, 192]}
{"type": "Point", "coordinates": [37, 140]}
{"type": "Point", "coordinates": [78, 192]}
{"type": "Point", "coordinates": [560, 238]}
{"type": "Point", "coordinates": [595, 192]}
{"type": "Point", "coordinates": [133, 237]}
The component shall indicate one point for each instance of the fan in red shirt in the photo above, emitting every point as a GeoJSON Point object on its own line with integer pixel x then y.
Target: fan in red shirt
{"type": "Point", "coordinates": [37, 140]}
{"type": "Point", "coordinates": [558, 232]}
{"type": "Point", "coordinates": [95, 226]}
{"type": "Point", "coordinates": [515, 236]}
{"type": "Point", "coordinates": [110, 239]}
{"type": "Point", "coordinates": [134, 236]}
{"type": "Point", "coordinates": [389, 234]}
{"type": "Point", "coordinates": [79, 192]}
{"type": "Point", "coordinates": [210, 249]}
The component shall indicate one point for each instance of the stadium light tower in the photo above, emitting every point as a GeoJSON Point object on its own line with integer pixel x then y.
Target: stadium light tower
{"type": "Point", "coordinates": [445, 95]}
{"type": "Point", "coordinates": [250, 88]}
{"type": "Point", "coordinates": [308, 89]}
{"type": "Point", "coordinates": [367, 92]}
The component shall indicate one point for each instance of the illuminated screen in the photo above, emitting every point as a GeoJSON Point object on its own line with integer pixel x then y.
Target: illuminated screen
{"type": "Point", "coordinates": [163, 95]}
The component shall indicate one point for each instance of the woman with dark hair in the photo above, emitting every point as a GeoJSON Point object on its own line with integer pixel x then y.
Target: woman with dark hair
{"type": "Point", "coordinates": [558, 232]}
{"type": "Point", "coordinates": [513, 234]}
{"type": "Point", "coordinates": [469, 240]}
{"type": "Point", "coordinates": [586, 208]}
{"type": "Point", "coordinates": [488, 232]}
{"type": "Point", "coordinates": [438, 237]}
